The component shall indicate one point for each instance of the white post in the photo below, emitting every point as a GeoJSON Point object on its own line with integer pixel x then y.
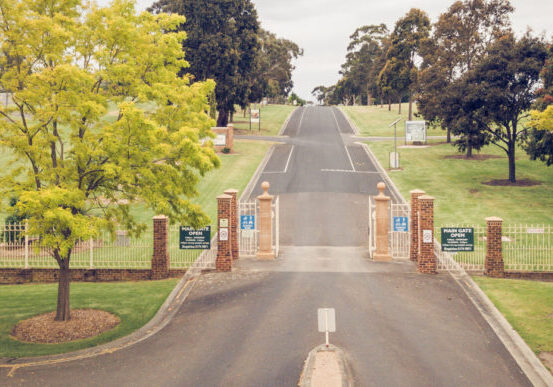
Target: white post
{"type": "Point", "coordinates": [91, 253]}
{"type": "Point", "coordinates": [26, 245]}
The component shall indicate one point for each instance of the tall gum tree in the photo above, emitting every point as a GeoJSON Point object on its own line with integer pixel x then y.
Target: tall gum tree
{"type": "Point", "coordinates": [99, 120]}
{"type": "Point", "coordinates": [222, 44]}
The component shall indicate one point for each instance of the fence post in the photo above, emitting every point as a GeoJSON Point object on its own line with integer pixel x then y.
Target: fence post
{"type": "Point", "coordinates": [233, 221]}
{"type": "Point", "coordinates": [224, 245]}
{"type": "Point", "coordinates": [426, 262]}
{"type": "Point", "coordinates": [160, 259]}
{"type": "Point", "coordinates": [26, 244]}
{"type": "Point", "coordinates": [91, 264]}
{"type": "Point", "coordinates": [414, 246]}
{"type": "Point", "coordinates": [494, 266]}
{"type": "Point", "coordinates": [265, 224]}
{"type": "Point", "coordinates": [382, 201]}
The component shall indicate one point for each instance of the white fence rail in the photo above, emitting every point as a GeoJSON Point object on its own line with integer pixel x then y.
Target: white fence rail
{"type": "Point", "coordinates": [372, 226]}
{"type": "Point", "coordinates": [119, 251]}
{"type": "Point", "coordinates": [525, 248]}
{"type": "Point", "coordinates": [248, 240]}
{"type": "Point", "coordinates": [400, 240]}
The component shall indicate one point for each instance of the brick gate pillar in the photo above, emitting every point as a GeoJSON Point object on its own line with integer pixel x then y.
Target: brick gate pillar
{"type": "Point", "coordinates": [160, 258]}
{"type": "Point", "coordinates": [382, 225]}
{"type": "Point", "coordinates": [426, 262]}
{"type": "Point", "coordinates": [494, 266]}
{"type": "Point", "coordinates": [224, 247]}
{"type": "Point", "coordinates": [265, 224]}
{"type": "Point", "coordinates": [414, 246]}
{"type": "Point", "coordinates": [233, 225]}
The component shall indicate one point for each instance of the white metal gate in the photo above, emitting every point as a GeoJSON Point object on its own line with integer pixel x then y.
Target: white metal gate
{"type": "Point", "coordinates": [372, 227]}
{"type": "Point", "coordinates": [400, 240]}
{"type": "Point", "coordinates": [248, 240]}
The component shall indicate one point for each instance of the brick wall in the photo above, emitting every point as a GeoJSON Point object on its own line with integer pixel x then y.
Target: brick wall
{"type": "Point", "coordinates": [413, 249]}
{"type": "Point", "coordinates": [19, 276]}
{"type": "Point", "coordinates": [224, 248]}
{"type": "Point", "coordinates": [426, 262]}
{"type": "Point", "coordinates": [160, 258]}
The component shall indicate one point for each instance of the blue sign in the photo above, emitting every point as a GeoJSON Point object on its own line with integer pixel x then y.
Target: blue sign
{"type": "Point", "coordinates": [247, 222]}
{"type": "Point", "coordinates": [401, 223]}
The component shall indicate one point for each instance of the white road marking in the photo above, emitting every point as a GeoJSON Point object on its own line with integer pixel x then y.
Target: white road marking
{"type": "Point", "coordinates": [349, 158]}
{"type": "Point", "coordinates": [336, 120]}
{"type": "Point", "coordinates": [350, 171]}
{"type": "Point", "coordinates": [289, 158]}
{"type": "Point", "coordinates": [301, 119]}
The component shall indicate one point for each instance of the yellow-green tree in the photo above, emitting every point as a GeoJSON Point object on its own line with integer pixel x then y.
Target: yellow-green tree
{"type": "Point", "coordinates": [99, 120]}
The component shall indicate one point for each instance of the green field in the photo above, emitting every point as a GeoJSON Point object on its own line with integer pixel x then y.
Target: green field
{"type": "Point", "coordinates": [457, 184]}
{"type": "Point", "coordinates": [374, 121]}
{"type": "Point", "coordinates": [272, 119]}
{"type": "Point", "coordinates": [135, 303]}
{"type": "Point", "coordinates": [527, 305]}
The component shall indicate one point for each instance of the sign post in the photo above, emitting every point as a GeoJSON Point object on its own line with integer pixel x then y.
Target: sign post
{"type": "Point", "coordinates": [455, 239]}
{"type": "Point", "coordinates": [191, 239]}
{"type": "Point", "coordinates": [327, 321]}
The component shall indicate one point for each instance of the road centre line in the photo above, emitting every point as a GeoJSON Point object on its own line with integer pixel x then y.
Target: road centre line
{"type": "Point", "coordinates": [349, 158]}
{"type": "Point", "coordinates": [289, 158]}
{"type": "Point", "coordinates": [301, 119]}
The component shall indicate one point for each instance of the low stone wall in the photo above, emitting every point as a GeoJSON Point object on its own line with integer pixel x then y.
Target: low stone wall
{"type": "Point", "coordinates": [20, 276]}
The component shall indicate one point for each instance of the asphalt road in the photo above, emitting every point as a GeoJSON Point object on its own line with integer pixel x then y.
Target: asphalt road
{"type": "Point", "coordinates": [256, 325]}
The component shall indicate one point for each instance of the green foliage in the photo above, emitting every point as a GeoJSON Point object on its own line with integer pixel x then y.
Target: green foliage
{"type": "Point", "coordinates": [64, 62]}
{"type": "Point", "coordinates": [222, 44]}
{"type": "Point", "coordinates": [294, 98]}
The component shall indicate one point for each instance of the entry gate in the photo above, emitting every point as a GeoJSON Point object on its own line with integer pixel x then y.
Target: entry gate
{"type": "Point", "coordinates": [248, 240]}
{"type": "Point", "coordinates": [399, 238]}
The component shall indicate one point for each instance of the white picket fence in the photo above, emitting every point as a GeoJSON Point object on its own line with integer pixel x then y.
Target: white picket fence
{"type": "Point", "coordinates": [525, 248]}
{"type": "Point", "coordinates": [19, 250]}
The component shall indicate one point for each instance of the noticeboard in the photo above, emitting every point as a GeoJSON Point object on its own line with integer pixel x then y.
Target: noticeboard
{"type": "Point", "coordinates": [455, 239]}
{"type": "Point", "coordinates": [220, 140]}
{"type": "Point", "coordinates": [254, 116]}
{"type": "Point", "coordinates": [192, 239]}
{"type": "Point", "coordinates": [415, 131]}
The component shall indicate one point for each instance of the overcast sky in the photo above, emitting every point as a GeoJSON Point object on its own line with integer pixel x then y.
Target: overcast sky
{"type": "Point", "coordinates": [322, 27]}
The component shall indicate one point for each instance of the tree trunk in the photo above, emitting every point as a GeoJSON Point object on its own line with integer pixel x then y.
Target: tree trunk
{"type": "Point", "coordinates": [369, 99]}
{"type": "Point", "coordinates": [231, 116]}
{"type": "Point", "coordinates": [399, 104]}
{"type": "Point", "coordinates": [448, 140]}
{"type": "Point", "coordinates": [469, 150]}
{"type": "Point", "coordinates": [389, 105]}
{"type": "Point", "coordinates": [410, 107]}
{"type": "Point", "coordinates": [222, 120]}
{"type": "Point", "coordinates": [512, 166]}
{"type": "Point", "coordinates": [244, 110]}
{"type": "Point", "coordinates": [63, 310]}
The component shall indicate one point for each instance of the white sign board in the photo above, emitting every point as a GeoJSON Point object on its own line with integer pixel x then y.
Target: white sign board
{"type": "Point", "coordinates": [220, 140]}
{"type": "Point", "coordinates": [223, 234]}
{"type": "Point", "coordinates": [223, 222]}
{"type": "Point", "coordinates": [415, 131]}
{"type": "Point", "coordinates": [427, 236]}
{"type": "Point", "coordinates": [254, 116]}
{"type": "Point", "coordinates": [327, 319]}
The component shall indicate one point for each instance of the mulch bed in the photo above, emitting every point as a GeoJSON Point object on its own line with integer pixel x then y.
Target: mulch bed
{"type": "Point", "coordinates": [84, 323]}
{"type": "Point", "coordinates": [478, 157]}
{"type": "Point", "coordinates": [507, 183]}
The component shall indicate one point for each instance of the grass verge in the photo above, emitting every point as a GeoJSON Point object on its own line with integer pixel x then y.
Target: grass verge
{"type": "Point", "coordinates": [374, 121]}
{"type": "Point", "coordinates": [272, 119]}
{"type": "Point", "coordinates": [134, 302]}
{"type": "Point", "coordinates": [457, 184]}
{"type": "Point", "coordinates": [527, 305]}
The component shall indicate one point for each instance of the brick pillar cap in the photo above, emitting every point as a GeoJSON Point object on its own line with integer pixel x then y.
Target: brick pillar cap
{"type": "Point", "coordinates": [426, 197]}
{"type": "Point", "coordinates": [494, 219]}
{"type": "Point", "coordinates": [231, 191]}
{"type": "Point", "coordinates": [417, 191]}
{"type": "Point", "coordinates": [160, 217]}
{"type": "Point", "coordinates": [222, 197]}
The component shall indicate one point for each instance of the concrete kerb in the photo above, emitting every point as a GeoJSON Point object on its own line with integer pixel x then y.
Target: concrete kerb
{"type": "Point", "coordinates": [309, 370]}
{"type": "Point", "coordinates": [285, 125]}
{"type": "Point", "coordinates": [163, 316]}
{"type": "Point", "coordinates": [350, 122]}
{"type": "Point", "coordinates": [526, 359]}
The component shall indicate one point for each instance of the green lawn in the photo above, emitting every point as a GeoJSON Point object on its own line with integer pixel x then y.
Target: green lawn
{"type": "Point", "coordinates": [374, 121]}
{"type": "Point", "coordinates": [527, 305]}
{"type": "Point", "coordinates": [461, 198]}
{"type": "Point", "coordinates": [135, 303]}
{"type": "Point", "coordinates": [272, 119]}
